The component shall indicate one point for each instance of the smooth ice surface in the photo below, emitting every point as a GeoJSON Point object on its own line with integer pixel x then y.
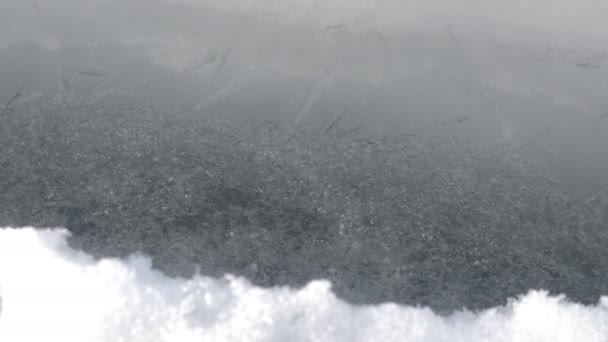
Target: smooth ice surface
{"type": "Point", "coordinates": [52, 293]}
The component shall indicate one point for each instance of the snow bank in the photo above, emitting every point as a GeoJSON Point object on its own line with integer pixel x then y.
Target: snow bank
{"type": "Point", "coordinates": [53, 293]}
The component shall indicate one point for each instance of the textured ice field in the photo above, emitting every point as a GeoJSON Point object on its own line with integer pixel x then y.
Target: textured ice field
{"type": "Point", "coordinates": [52, 293]}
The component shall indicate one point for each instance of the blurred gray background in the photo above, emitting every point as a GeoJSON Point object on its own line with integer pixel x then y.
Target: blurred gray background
{"type": "Point", "coordinates": [521, 72]}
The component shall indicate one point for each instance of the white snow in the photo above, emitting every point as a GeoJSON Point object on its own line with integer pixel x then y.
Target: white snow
{"type": "Point", "coordinates": [52, 293]}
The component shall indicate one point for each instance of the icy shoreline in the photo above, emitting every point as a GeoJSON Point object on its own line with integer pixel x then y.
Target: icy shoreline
{"type": "Point", "coordinates": [51, 292]}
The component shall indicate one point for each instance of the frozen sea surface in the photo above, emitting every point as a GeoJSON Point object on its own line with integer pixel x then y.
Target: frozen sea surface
{"type": "Point", "coordinates": [51, 292]}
